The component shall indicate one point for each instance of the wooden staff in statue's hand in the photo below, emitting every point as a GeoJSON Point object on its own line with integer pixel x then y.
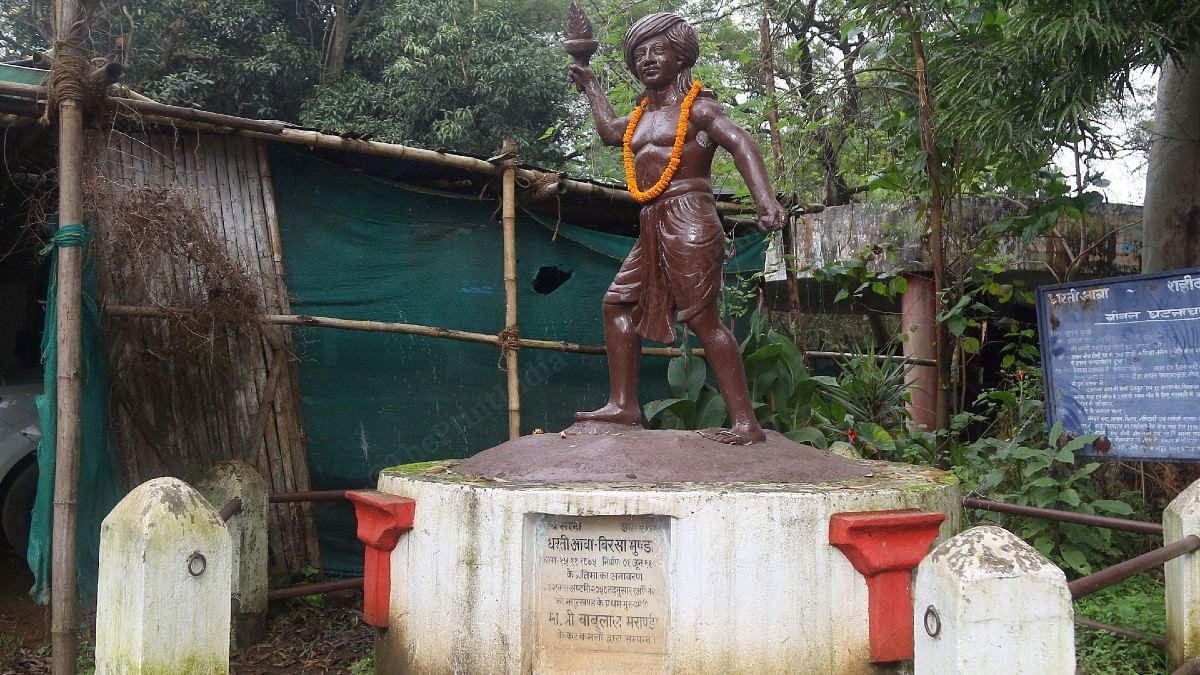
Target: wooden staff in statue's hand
{"type": "Point", "coordinates": [675, 269]}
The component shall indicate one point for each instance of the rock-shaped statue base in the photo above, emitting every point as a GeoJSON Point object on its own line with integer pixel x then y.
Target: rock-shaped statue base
{"type": "Point", "coordinates": [602, 452]}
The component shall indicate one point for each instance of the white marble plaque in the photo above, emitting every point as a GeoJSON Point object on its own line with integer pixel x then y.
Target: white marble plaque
{"type": "Point", "coordinates": [601, 584]}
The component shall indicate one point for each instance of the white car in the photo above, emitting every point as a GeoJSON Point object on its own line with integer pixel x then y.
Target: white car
{"type": "Point", "coordinates": [19, 437]}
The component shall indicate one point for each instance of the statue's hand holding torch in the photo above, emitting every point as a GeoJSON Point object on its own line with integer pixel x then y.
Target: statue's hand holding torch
{"type": "Point", "coordinates": [580, 44]}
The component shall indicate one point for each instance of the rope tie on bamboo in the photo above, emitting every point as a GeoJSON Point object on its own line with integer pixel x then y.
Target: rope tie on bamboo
{"type": "Point", "coordinates": [510, 340]}
{"type": "Point", "coordinates": [68, 236]}
{"type": "Point", "coordinates": [68, 79]}
{"type": "Point", "coordinates": [545, 185]}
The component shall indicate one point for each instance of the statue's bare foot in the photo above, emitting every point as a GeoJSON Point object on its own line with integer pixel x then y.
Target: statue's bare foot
{"type": "Point", "coordinates": [612, 413]}
{"type": "Point", "coordinates": [739, 435]}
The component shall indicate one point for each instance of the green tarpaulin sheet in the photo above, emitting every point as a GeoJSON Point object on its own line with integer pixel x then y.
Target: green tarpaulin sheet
{"type": "Point", "coordinates": [99, 478]}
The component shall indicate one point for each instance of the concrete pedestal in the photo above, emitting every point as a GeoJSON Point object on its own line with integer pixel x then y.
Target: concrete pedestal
{"type": "Point", "coordinates": [635, 577]}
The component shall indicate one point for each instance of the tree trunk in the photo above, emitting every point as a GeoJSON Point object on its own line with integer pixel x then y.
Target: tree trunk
{"type": "Point", "coordinates": [933, 165]}
{"type": "Point", "coordinates": [337, 37]}
{"type": "Point", "coordinates": [796, 317]}
{"type": "Point", "coordinates": [1171, 217]}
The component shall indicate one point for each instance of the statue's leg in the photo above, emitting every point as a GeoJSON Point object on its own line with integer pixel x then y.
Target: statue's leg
{"type": "Point", "coordinates": [624, 359]}
{"type": "Point", "coordinates": [725, 359]}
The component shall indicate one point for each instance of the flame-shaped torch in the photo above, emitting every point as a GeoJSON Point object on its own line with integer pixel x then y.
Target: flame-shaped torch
{"type": "Point", "coordinates": [580, 43]}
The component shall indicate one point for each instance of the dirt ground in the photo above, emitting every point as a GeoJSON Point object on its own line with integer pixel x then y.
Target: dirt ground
{"type": "Point", "coordinates": [24, 626]}
{"type": "Point", "coordinates": [319, 634]}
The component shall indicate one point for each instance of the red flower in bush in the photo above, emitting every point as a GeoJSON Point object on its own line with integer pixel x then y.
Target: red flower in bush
{"type": "Point", "coordinates": [852, 435]}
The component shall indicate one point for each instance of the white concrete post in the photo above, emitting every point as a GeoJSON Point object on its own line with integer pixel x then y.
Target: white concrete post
{"type": "Point", "coordinates": [163, 596]}
{"type": "Point", "coordinates": [987, 603]}
{"type": "Point", "coordinates": [248, 531]}
{"type": "Point", "coordinates": [1181, 518]}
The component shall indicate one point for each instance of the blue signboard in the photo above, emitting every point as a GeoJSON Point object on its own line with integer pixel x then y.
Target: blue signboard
{"type": "Point", "coordinates": [1121, 359]}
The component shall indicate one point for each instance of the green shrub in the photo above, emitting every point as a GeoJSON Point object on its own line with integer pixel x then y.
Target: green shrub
{"type": "Point", "coordinates": [1019, 462]}
{"type": "Point", "coordinates": [865, 403]}
{"type": "Point", "coordinates": [694, 403]}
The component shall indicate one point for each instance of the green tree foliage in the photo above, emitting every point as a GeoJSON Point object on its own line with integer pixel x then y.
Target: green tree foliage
{"type": "Point", "coordinates": [427, 71]}
{"type": "Point", "coordinates": [243, 57]}
{"type": "Point", "coordinates": [247, 57]}
{"type": "Point", "coordinates": [1012, 83]}
{"type": "Point", "coordinates": [459, 74]}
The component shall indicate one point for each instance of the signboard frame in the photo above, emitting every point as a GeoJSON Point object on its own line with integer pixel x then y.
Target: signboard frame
{"type": "Point", "coordinates": [1052, 383]}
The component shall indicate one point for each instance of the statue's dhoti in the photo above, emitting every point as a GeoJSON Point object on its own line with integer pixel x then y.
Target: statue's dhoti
{"type": "Point", "coordinates": [675, 265]}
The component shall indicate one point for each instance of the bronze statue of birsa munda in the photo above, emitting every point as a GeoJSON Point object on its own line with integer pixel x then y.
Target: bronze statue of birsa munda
{"type": "Point", "coordinates": [675, 269]}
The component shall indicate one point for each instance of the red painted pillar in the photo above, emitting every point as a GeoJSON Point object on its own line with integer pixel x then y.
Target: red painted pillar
{"type": "Point", "coordinates": [918, 321]}
{"type": "Point", "coordinates": [382, 518]}
{"type": "Point", "coordinates": [885, 547]}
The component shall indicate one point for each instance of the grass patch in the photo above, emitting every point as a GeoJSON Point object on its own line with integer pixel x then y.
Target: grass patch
{"type": "Point", "coordinates": [363, 666]}
{"type": "Point", "coordinates": [1137, 603]}
{"type": "Point", "coordinates": [415, 467]}
{"type": "Point", "coordinates": [9, 644]}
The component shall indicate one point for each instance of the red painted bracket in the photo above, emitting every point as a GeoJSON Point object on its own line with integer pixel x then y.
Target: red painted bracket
{"type": "Point", "coordinates": [382, 518]}
{"type": "Point", "coordinates": [885, 546]}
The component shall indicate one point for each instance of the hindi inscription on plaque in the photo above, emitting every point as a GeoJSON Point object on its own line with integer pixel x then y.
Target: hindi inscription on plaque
{"type": "Point", "coordinates": [601, 584]}
{"type": "Point", "coordinates": [1121, 360]}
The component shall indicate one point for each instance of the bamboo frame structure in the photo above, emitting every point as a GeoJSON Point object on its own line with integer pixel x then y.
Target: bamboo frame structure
{"type": "Point", "coordinates": [282, 132]}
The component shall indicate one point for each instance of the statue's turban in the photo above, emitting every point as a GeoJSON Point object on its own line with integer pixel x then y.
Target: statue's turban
{"type": "Point", "coordinates": [675, 28]}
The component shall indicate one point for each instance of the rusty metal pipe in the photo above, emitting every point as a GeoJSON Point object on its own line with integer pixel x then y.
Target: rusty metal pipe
{"type": "Point", "coordinates": [313, 589]}
{"type": "Point", "coordinates": [312, 496]}
{"type": "Point", "coordinates": [231, 508]}
{"type": "Point", "coordinates": [1127, 633]}
{"type": "Point", "coordinates": [1123, 570]}
{"type": "Point", "coordinates": [1189, 667]}
{"type": "Point", "coordinates": [1108, 522]}
{"type": "Point", "coordinates": [106, 74]}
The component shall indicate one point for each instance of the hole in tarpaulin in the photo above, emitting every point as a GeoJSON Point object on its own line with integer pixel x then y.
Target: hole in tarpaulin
{"type": "Point", "coordinates": [549, 278]}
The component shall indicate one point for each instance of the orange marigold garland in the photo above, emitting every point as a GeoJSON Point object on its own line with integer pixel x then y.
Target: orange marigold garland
{"type": "Point", "coordinates": [685, 110]}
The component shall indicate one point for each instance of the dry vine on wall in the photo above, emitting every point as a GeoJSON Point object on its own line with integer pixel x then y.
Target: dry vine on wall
{"type": "Point", "coordinates": [156, 246]}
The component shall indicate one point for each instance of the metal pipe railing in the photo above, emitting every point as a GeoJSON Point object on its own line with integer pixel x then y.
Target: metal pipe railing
{"type": "Point", "coordinates": [231, 509]}
{"type": "Point", "coordinates": [322, 587]}
{"type": "Point", "coordinates": [1123, 570]}
{"type": "Point", "coordinates": [1127, 633]}
{"type": "Point", "coordinates": [1189, 667]}
{"type": "Point", "coordinates": [311, 496]}
{"type": "Point", "coordinates": [313, 589]}
{"type": "Point", "coordinates": [1108, 522]}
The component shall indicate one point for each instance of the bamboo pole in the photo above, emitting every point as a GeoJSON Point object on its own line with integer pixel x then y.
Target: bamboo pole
{"type": "Point", "coordinates": [63, 591]}
{"type": "Point", "coordinates": [267, 181]}
{"type": "Point", "coordinates": [132, 311]}
{"type": "Point", "coordinates": [508, 204]}
{"type": "Point", "coordinates": [255, 441]}
{"type": "Point", "coordinates": [64, 599]}
{"type": "Point", "coordinates": [137, 103]}
{"type": "Point", "coordinates": [144, 106]}
{"type": "Point", "coordinates": [280, 132]}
